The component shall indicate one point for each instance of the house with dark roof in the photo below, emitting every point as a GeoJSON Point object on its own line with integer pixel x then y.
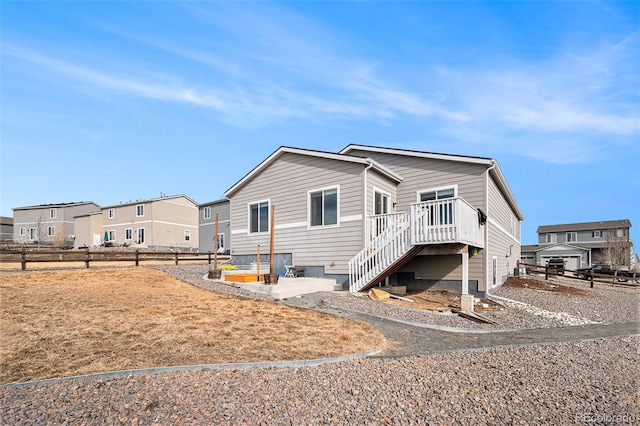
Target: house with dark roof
{"type": "Point", "coordinates": [370, 216]}
{"type": "Point", "coordinates": [580, 244]}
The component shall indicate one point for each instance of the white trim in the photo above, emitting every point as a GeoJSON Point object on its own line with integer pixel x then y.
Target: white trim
{"type": "Point", "coordinates": [206, 213]}
{"type": "Point", "coordinates": [323, 189]}
{"type": "Point", "coordinates": [379, 190]}
{"type": "Point", "coordinates": [187, 232]}
{"type": "Point", "coordinates": [352, 218]}
{"type": "Point", "coordinates": [291, 225]}
{"type": "Point", "coordinates": [249, 204]}
{"type": "Point", "coordinates": [239, 231]}
{"type": "Point", "coordinates": [406, 153]}
{"type": "Point", "coordinates": [439, 188]}
{"type": "Point", "coordinates": [503, 230]}
{"type": "Point", "coordinates": [170, 223]}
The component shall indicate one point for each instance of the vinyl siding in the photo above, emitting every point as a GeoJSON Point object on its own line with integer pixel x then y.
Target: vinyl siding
{"type": "Point", "coordinates": [504, 238]}
{"type": "Point", "coordinates": [207, 225]}
{"type": "Point", "coordinates": [285, 183]}
{"type": "Point", "coordinates": [64, 220]}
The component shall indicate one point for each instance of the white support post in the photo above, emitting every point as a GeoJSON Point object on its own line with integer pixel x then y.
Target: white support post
{"type": "Point", "coordinates": [465, 272]}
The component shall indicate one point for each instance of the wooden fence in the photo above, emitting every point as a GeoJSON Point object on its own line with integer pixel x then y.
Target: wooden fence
{"type": "Point", "coordinates": [589, 275]}
{"type": "Point", "coordinates": [88, 256]}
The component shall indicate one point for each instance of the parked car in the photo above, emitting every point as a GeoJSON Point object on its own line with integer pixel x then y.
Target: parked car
{"type": "Point", "coordinates": [556, 265]}
{"type": "Point", "coordinates": [622, 275]}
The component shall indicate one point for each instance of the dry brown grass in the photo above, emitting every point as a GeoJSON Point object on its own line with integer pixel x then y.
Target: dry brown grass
{"type": "Point", "coordinates": [72, 322]}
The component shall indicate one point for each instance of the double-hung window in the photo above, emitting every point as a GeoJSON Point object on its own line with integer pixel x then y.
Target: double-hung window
{"type": "Point", "coordinates": [53, 213]}
{"type": "Point", "coordinates": [187, 235]}
{"type": "Point", "coordinates": [140, 210]}
{"type": "Point", "coordinates": [112, 235]}
{"type": "Point", "coordinates": [259, 217]}
{"type": "Point", "coordinates": [220, 243]}
{"type": "Point", "coordinates": [550, 238]}
{"type": "Point", "coordinates": [206, 213]}
{"type": "Point", "coordinates": [596, 234]}
{"type": "Point", "coordinates": [112, 213]}
{"type": "Point", "coordinates": [128, 234]}
{"type": "Point", "coordinates": [572, 237]}
{"type": "Point", "coordinates": [323, 207]}
{"type": "Point", "coordinates": [51, 230]}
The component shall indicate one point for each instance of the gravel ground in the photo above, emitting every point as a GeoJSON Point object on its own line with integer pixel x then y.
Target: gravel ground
{"type": "Point", "coordinates": [605, 304]}
{"type": "Point", "coordinates": [568, 383]}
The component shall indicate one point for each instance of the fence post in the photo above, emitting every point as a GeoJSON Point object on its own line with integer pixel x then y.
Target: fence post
{"type": "Point", "coordinates": [591, 277]}
{"type": "Point", "coordinates": [546, 272]}
{"type": "Point", "coordinates": [209, 255]}
{"type": "Point", "coordinates": [176, 257]}
{"type": "Point", "coordinates": [86, 259]}
{"type": "Point", "coordinates": [137, 257]}
{"type": "Point", "coordinates": [24, 259]}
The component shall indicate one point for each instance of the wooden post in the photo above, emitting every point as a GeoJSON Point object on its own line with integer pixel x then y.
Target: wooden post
{"type": "Point", "coordinates": [546, 272]}
{"type": "Point", "coordinates": [86, 259]}
{"type": "Point", "coordinates": [590, 277]}
{"type": "Point", "coordinates": [137, 257]}
{"type": "Point", "coordinates": [209, 256]}
{"type": "Point", "coordinates": [258, 262]}
{"type": "Point", "coordinates": [176, 255]}
{"type": "Point", "coordinates": [24, 259]}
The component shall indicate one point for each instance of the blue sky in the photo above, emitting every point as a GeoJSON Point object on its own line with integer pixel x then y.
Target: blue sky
{"type": "Point", "coordinates": [117, 101]}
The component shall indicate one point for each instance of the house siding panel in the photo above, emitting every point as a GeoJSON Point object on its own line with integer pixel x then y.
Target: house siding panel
{"type": "Point", "coordinates": [286, 183]}
{"type": "Point", "coordinates": [504, 236]}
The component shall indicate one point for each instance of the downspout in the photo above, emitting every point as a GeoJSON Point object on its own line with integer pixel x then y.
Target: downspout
{"type": "Point", "coordinates": [486, 229]}
{"type": "Point", "coordinates": [365, 204]}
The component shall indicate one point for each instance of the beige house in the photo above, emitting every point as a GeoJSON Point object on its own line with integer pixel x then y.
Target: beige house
{"type": "Point", "coordinates": [372, 215]}
{"type": "Point", "coordinates": [161, 223]}
{"type": "Point", "coordinates": [49, 223]}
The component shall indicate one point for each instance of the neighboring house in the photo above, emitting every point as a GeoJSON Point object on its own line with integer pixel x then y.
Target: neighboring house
{"type": "Point", "coordinates": [6, 228]}
{"type": "Point", "coordinates": [369, 215]}
{"type": "Point", "coordinates": [580, 244]}
{"type": "Point", "coordinates": [161, 223]}
{"type": "Point", "coordinates": [207, 218]}
{"type": "Point", "coordinates": [48, 223]}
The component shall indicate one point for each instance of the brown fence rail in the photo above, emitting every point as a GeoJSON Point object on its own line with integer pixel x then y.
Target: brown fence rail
{"type": "Point", "coordinates": [88, 256]}
{"type": "Point", "coordinates": [589, 275]}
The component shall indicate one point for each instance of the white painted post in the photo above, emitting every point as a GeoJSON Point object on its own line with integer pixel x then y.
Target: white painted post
{"type": "Point", "coordinates": [465, 272]}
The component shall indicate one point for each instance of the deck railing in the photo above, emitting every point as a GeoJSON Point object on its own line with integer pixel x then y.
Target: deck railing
{"type": "Point", "coordinates": [391, 236]}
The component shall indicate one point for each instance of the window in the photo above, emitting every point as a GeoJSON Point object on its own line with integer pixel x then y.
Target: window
{"type": "Point", "coordinates": [33, 234]}
{"type": "Point", "coordinates": [23, 232]}
{"type": "Point", "coordinates": [443, 215]}
{"type": "Point", "coordinates": [323, 207]}
{"type": "Point", "coordinates": [51, 230]}
{"type": "Point", "coordinates": [572, 237]}
{"type": "Point", "coordinates": [128, 234]}
{"type": "Point", "coordinates": [187, 235]}
{"type": "Point", "coordinates": [380, 202]}
{"type": "Point", "coordinates": [140, 233]}
{"type": "Point", "coordinates": [596, 234]}
{"type": "Point", "coordinates": [112, 235]}
{"type": "Point", "coordinates": [259, 217]}
{"type": "Point", "coordinates": [112, 213]}
{"type": "Point", "coordinates": [221, 243]}
{"type": "Point", "coordinates": [140, 210]}
{"type": "Point", "coordinates": [206, 213]}
{"type": "Point", "coordinates": [550, 238]}
{"type": "Point", "coordinates": [53, 213]}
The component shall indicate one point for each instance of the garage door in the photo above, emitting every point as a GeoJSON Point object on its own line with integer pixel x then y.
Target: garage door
{"type": "Point", "coordinates": [570, 262]}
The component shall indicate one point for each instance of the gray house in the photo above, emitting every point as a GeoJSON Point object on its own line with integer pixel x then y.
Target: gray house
{"type": "Point", "coordinates": [579, 244]}
{"type": "Point", "coordinates": [49, 223]}
{"type": "Point", "coordinates": [6, 228]}
{"type": "Point", "coordinates": [371, 215]}
{"type": "Point", "coordinates": [207, 217]}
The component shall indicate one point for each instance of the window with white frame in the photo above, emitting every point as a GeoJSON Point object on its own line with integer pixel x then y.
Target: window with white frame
{"type": "Point", "coordinates": [112, 235]}
{"type": "Point", "coordinates": [323, 207]}
{"type": "Point", "coordinates": [51, 231]}
{"type": "Point", "coordinates": [112, 213]}
{"type": "Point", "coordinates": [206, 213]}
{"type": "Point", "coordinates": [128, 234]}
{"type": "Point", "coordinates": [551, 238]}
{"type": "Point", "coordinates": [443, 214]}
{"type": "Point", "coordinates": [187, 235]}
{"type": "Point", "coordinates": [220, 242]}
{"type": "Point", "coordinates": [33, 234]}
{"type": "Point", "coordinates": [140, 210]}
{"type": "Point", "coordinates": [141, 236]}
{"type": "Point", "coordinates": [381, 202]}
{"type": "Point", "coordinates": [23, 232]}
{"type": "Point", "coordinates": [596, 234]}
{"type": "Point", "coordinates": [572, 237]}
{"type": "Point", "coordinates": [53, 213]}
{"type": "Point", "coordinates": [259, 217]}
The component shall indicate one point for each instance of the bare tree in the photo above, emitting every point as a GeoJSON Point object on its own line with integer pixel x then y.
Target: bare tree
{"type": "Point", "coordinates": [41, 230]}
{"type": "Point", "coordinates": [616, 252]}
{"type": "Point", "coordinates": [60, 236]}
